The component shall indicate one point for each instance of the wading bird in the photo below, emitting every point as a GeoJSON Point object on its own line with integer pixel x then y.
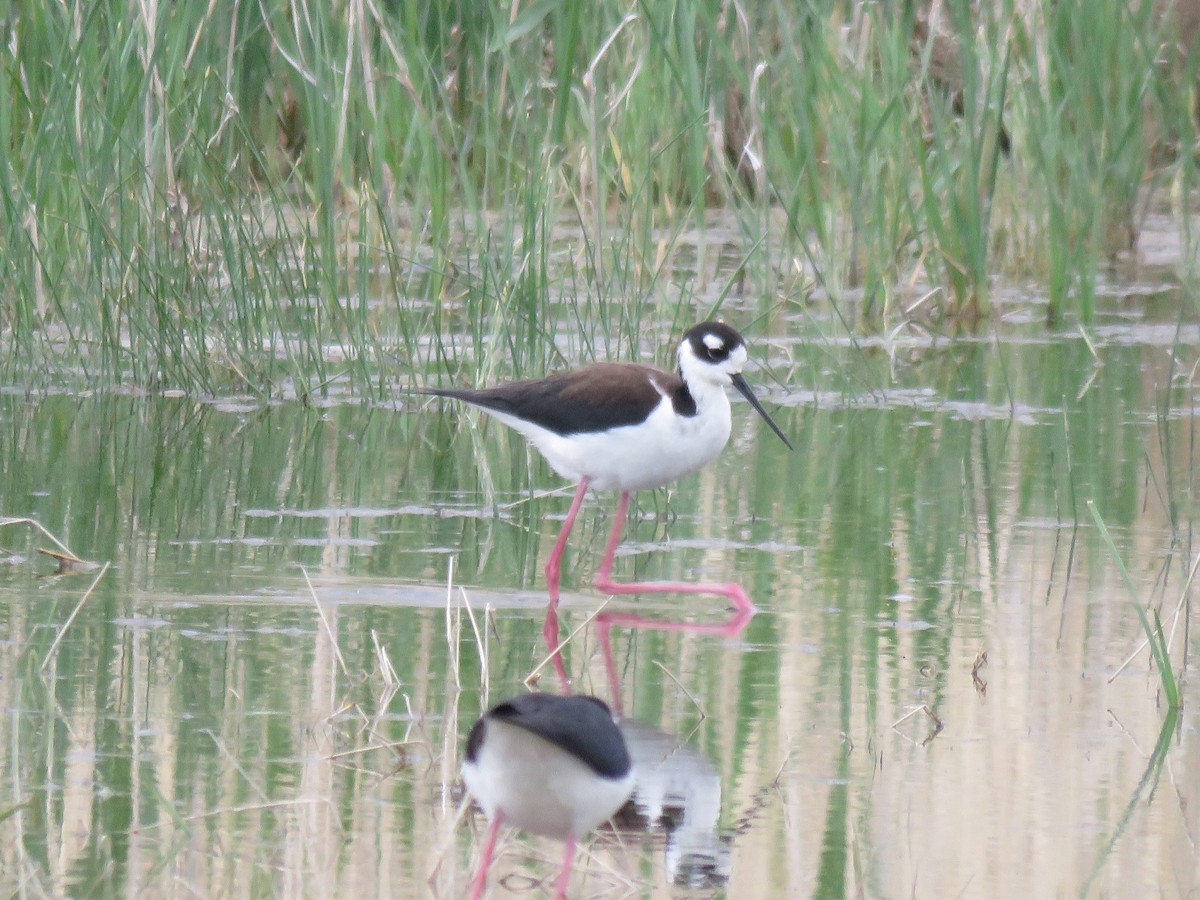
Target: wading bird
{"type": "Point", "coordinates": [552, 766]}
{"type": "Point", "coordinates": [629, 427]}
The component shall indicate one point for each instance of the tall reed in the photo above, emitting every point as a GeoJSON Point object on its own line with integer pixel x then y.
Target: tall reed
{"type": "Point", "coordinates": [277, 197]}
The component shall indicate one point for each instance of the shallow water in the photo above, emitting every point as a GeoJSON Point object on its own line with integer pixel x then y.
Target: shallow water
{"type": "Point", "coordinates": [931, 701]}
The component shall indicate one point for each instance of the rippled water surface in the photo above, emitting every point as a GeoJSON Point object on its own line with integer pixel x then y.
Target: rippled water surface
{"type": "Point", "coordinates": [265, 685]}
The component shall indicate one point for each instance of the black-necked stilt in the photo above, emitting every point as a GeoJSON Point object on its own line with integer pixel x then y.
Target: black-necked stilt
{"type": "Point", "coordinates": [629, 427]}
{"type": "Point", "coordinates": [550, 765]}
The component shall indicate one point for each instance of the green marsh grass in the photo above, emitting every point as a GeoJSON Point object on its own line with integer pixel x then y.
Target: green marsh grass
{"type": "Point", "coordinates": [1090, 85]}
{"type": "Point", "coordinates": [1145, 788]}
{"type": "Point", "coordinates": [960, 160]}
{"type": "Point", "coordinates": [275, 198]}
{"type": "Point", "coordinates": [1159, 649]}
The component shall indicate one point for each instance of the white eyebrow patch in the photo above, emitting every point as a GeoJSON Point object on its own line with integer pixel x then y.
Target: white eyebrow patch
{"type": "Point", "coordinates": [713, 342]}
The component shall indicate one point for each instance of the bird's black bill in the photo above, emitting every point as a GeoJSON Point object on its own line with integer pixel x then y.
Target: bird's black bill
{"type": "Point", "coordinates": [744, 389]}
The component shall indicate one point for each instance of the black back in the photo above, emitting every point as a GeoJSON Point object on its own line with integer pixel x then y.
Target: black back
{"type": "Point", "coordinates": [595, 398]}
{"type": "Point", "coordinates": [581, 725]}
{"type": "Point", "coordinates": [604, 395]}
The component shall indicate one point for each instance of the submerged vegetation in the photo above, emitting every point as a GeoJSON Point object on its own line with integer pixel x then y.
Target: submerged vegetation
{"type": "Point", "coordinates": [269, 196]}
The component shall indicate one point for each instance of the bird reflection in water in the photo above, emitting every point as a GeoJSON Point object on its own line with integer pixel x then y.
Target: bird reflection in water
{"type": "Point", "coordinates": [558, 766]}
{"type": "Point", "coordinates": [676, 790]}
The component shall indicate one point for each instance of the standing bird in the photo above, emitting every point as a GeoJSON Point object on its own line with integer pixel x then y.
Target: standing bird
{"type": "Point", "coordinates": [628, 427]}
{"type": "Point", "coordinates": [550, 765]}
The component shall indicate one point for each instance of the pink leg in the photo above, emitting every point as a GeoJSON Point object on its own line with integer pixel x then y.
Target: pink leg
{"type": "Point", "coordinates": [606, 620]}
{"type": "Point", "coordinates": [550, 635]}
{"type": "Point", "coordinates": [553, 570]}
{"type": "Point", "coordinates": [480, 880]}
{"type": "Point", "coordinates": [553, 567]}
{"type": "Point", "coordinates": [732, 592]}
{"type": "Point", "coordinates": [742, 614]}
{"type": "Point", "coordinates": [560, 888]}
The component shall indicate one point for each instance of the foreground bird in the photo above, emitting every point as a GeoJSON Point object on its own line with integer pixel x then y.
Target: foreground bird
{"type": "Point", "coordinates": [550, 765]}
{"type": "Point", "coordinates": [629, 427]}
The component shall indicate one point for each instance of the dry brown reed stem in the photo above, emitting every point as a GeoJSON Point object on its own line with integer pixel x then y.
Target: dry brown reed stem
{"type": "Point", "coordinates": [451, 634]}
{"type": "Point", "coordinates": [532, 676]}
{"type": "Point", "coordinates": [390, 679]}
{"type": "Point", "coordinates": [235, 810]}
{"type": "Point", "coordinates": [480, 645]}
{"type": "Point", "coordinates": [233, 761]}
{"type": "Point", "coordinates": [686, 692]}
{"type": "Point", "coordinates": [6, 520]}
{"type": "Point", "coordinates": [1174, 622]}
{"type": "Point", "coordinates": [937, 724]}
{"type": "Point", "coordinates": [71, 618]}
{"type": "Point", "coordinates": [325, 622]}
